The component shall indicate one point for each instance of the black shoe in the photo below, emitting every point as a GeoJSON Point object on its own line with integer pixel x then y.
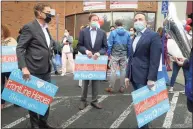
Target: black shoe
{"type": "Point", "coordinates": [96, 105]}
{"type": "Point", "coordinates": [57, 73]}
{"type": "Point", "coordinates": [82, 105]}
{"type": "Point", "coordinates": [46, 126]}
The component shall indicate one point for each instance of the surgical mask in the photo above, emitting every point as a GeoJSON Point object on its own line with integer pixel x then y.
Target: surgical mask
{"type": "Point", "coordinates": [66, 34]}
{"type": "Point", "coordinates": [48, 18]}
{"type": "Point", "coordinates": [94, 24]}
{"type": "Point", "coordinates": [131, 32]}
{"type": "Point", "coordinates": [139, 25]}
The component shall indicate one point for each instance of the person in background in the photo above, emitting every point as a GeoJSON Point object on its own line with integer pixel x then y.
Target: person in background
{"type": "Point", "coordinates": [6, 40]}
{"type": "Point", "coordinates": [56, 51]}
{"type": "Point", "coordinates": [34, 53]}
{"type": "Point", "coordinates": [93, 47]}
{"type": "Point", "coordinates": [188, 64]}
{"type": "Point", "coordinates": [67, 52]}
{"type": "Point", "coordinates": [166, 57]}
{"type": "Point", "coordinates": [132, 32]}
{"type": "Point", "coordinates": [145, 56]}
{"type": "Point", "coordinates": [111, 29]}
{"type": "Point", "coordinates": [118, 51]}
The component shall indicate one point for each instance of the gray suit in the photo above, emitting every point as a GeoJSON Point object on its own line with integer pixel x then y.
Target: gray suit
{"type": "Point", "coordinates": [33, 52]}
{"type": "Point", "coordinates": [84, 43]}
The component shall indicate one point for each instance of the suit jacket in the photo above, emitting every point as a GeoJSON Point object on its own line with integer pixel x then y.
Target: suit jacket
{"type": "Point", "coordinates": [143, 64]}
{"type": "Point", "coordinates": [32, 49]}
{"type": "Point", "coordinates": [84, 42]}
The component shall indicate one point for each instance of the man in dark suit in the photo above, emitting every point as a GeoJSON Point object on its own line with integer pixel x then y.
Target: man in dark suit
{"type": "Point", "coordinates": [34, 53]}
{"type": "Point", "coordinates": [145, 56]}
{"type": "Point", "coordinates": [92, 42]}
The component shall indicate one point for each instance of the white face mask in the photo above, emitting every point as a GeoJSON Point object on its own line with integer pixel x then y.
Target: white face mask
{"type": "Point", "coordinates": [139, 26]}
{"type": "Point", "coordinates": [66, 34]}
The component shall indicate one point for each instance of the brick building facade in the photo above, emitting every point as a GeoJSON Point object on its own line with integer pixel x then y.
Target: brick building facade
{"type": "Point", "coordinates": [16, 14]}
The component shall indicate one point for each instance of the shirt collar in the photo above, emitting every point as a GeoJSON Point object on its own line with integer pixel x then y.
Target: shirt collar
{"type": "Point", "coordinates": [91, 28]}
{"type": "Point", "coordinates": [141, 32]}
{"type": "Point", "coordinates": [43, 26]}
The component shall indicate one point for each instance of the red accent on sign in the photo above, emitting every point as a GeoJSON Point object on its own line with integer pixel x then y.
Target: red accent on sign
{"type": "Point", "coordinates": [28, 92]}
{"type": "Point", "coordinates": [8, 58]}
{"type": "Point", "coordinates": [90, 67]}
{"type": "Point", "coordinates": [150, 102]}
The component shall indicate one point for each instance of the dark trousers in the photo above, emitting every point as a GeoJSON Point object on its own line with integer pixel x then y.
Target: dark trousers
{"type": "Point", "coordinates": [36, 119]}
{"type": "Point", "coordinates": [176, 69]}
{"type": "Point", "coordinates": [190, 105]}
{"type": "Point", "coordinates": [138, 86]}
{"type": "Point", "coordinates": [4, 76]}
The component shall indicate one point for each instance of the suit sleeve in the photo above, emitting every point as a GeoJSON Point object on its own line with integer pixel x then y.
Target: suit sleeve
{"type": "Point", "coordinates": [22, 45]}
{"type": "Point", "coordinates": [104, 45]}
{"type": "Point", "coordinates": [81, 48]}
{"type": "Point", "coordinates": [155, 54]}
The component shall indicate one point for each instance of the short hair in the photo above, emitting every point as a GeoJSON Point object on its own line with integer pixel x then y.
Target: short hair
{"type": "Point", "coordinates": [118, 22]}
{"type": "Point", "coordinates": [6, 31]}
{"type": "Point", "coordinates": [146, 18]}
{"type": "Point", "coordinates": [91, 16]}
{"type": "Point", "coordinates": [133, 29]}
{"type": "Point", "coordinates": [40, 7]}
{"type": "Point", "coordinates": [112, 27]}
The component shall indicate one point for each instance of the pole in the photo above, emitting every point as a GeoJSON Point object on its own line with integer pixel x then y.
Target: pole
{"type": "Point", "coordinates": [57, 31]}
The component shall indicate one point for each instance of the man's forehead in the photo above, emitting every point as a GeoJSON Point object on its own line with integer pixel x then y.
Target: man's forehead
{"type": "Point", "coordinates": [139, 16]}
{"type": "Point", "coordinates": [47, 9]}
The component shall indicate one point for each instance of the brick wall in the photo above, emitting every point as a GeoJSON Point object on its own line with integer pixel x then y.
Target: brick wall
{"type": "Point", "coordinates": [17, 14]}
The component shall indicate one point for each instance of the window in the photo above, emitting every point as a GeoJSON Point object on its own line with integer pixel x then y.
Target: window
{"type": "Point", "coordinates": [127, 18]}
{"type": "Point", "coordinates": [107, 20]}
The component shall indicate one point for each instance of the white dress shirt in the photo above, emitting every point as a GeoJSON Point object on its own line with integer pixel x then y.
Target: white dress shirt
{"type": "Point", "coordinates": [44, 29]}
{"type": "Point", "coordinates": [137, 38]}
{"type": "Point", "coordinates": [93, 34]}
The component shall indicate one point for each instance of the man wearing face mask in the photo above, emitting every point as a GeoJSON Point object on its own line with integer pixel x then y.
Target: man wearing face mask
{"type": "Point", "coordinates": [34, 53]}
{"type": "Point", "coordinates": [146, 51]}
{"type": "Point", "coordinates": [92, 42]}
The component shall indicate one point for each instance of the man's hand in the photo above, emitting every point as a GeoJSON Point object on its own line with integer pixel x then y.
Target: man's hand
{"type": "Point", "coordinates": [127, 82]}
{"type": "Point", "coordinates": [96, 55]}
{"type": "Point", "coordinates": [89, 54]}
{"type": "Point", "coordinates": [180, 61]}
{"type": "Point", "coordinates": [151, 85]}
{"type": "Point", "coordinates": [26, 74]}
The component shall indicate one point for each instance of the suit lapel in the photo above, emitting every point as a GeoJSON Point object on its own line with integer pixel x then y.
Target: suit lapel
{"type": "Point", "coordinates": [89, 37]}
{"type": "Point", "coordinates": [97, 37]}
{"type": "Point", "coordinates": [141, 40]}
{"type": "Point", "coordinates": [50, 38]}
{"type": "Point", "coordinates": [39, 29]}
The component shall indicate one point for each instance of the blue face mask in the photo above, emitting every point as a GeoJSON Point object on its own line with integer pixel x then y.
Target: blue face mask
{"type": "Point", "coordinates": [139, 25]}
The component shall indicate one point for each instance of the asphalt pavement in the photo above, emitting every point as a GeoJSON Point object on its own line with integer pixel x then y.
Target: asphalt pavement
{"type": "Point", "coordinates": [117, 109]}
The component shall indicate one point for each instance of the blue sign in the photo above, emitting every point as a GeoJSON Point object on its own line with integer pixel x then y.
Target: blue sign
{"type": "Point", "coordinates": [150, 104]}
{"type": "Point", "coordinates": [8, 59]}
{"type": "Point", "coordinates": [90, 69]}
{"type": "Point", "coordinates": [164, 7]}
{"type": "Point", "coordinates": [34, 95]}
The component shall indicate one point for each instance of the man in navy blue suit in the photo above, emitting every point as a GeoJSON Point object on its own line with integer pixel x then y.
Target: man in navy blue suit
{"type": "Point", "coordinates": [93, 43]}
{"type": "Point", "coordinates": [145, 54]}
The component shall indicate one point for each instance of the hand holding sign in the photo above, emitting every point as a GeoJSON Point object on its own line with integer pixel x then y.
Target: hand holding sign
{"type": "Point", "coordinates": [89, 54]}
{"type": "Point", "coordinates": [26, 74]}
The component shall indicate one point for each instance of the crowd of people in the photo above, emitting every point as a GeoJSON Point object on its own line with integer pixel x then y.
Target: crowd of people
{"type": "Point", "coordinates": [136, 52]}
